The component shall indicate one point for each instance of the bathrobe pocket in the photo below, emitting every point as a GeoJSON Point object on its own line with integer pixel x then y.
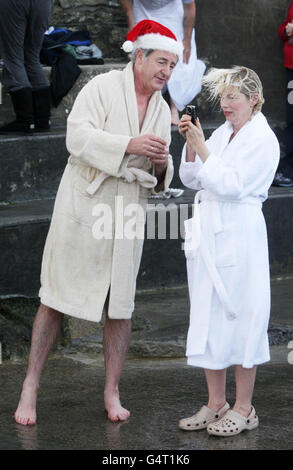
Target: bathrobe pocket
{"type": "Point", "coordinates": [191, 241]}
{"type": "Point", "coordinates": [83, 204]}
{"type": "Point", "coordinates": [225, 246]}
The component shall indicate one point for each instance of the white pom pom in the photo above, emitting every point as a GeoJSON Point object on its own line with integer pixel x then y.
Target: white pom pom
{"type": "Point", "coordinates": [127, 46]}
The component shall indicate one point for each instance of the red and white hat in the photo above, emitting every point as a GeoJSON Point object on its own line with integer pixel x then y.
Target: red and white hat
{"type": "Point", "coordinates": [148, 34]}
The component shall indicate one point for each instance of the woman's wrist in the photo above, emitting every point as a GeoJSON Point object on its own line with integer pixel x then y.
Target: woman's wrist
{"type": "Point", "coordinates": [190, 154]}
{"type": "Point", "coordinates": [203, 153]}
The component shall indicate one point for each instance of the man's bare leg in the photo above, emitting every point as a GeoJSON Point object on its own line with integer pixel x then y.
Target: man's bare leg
{"type": "Point", "coordinates": [46, 329]}
{"type": "Point", "coordinates": [116, 342]}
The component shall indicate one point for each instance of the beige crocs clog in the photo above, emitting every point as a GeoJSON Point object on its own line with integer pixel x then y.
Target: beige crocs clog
{"type": "Point", "coordinates": [202, 418]}
{"type": "Point", "coordinates": [233, 423]}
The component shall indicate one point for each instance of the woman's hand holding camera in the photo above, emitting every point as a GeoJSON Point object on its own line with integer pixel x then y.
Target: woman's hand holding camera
{"type": "Point", "coordinates": [194, 136]}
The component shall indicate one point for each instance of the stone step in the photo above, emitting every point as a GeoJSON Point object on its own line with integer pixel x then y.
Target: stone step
{"type": "Point", "coordinates": [206, 111]}
{"type": "Point", "coordinates": [59, 115]}
{"type": "Point", "coordinates": [24, 226]}
{"type": "Point", "coordinates": [31, 166]}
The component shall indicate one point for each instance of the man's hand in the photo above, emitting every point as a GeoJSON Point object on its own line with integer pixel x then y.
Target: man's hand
{"type": "Point", "coordinates": [150, 146]}
{"type": "Point", "coordinates": [153, 147]}
{"type": "Point", "coordinates": [289, 29]}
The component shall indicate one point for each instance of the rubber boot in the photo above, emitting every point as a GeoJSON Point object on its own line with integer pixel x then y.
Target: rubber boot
{"type": "Point", "coordinates": [42, 106]}
{"type": "Point", "coordinates": [23, 107]}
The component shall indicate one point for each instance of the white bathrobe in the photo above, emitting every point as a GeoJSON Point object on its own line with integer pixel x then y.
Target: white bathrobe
{"type": "Point", "coordinates": [226, 247]}
{"type": "Point", "coordinates": [81, 263]}
{"type": "Point", "coordinates": [185, 82]}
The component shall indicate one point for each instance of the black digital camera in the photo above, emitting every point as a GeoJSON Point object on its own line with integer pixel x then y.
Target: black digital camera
{"type": "Point", "coordinates": [191, 111]}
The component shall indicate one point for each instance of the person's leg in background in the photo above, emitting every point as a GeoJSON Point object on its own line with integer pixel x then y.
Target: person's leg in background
{"type": "Point", "coordinates": [288, 160]}
{"type": "Point", "coordinates": [13, 22]}
{"type": "Point", "coordinates": [40, 13]}
{"type": "Point", "coordinates": [284, 174]}
{"type": "Point", "coordinates": [174, 113]}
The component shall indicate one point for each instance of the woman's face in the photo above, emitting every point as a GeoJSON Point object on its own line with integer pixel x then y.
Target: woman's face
{"type": "Point", "coordinates": [236, 106]}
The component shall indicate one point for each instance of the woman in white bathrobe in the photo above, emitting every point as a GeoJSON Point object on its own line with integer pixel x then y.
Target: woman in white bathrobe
{"type": "Point", "coordinates": [226, 247]}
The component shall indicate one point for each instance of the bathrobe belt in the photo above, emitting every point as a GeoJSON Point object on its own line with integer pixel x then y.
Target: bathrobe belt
{"type": "Point", "coordinates": [128, 174]}
{"type": "Point", "coordinates": [198, 242]}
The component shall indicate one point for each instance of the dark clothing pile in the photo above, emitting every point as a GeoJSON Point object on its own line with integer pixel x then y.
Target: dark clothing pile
{"type": "Point", "coordinates": [59, 51]}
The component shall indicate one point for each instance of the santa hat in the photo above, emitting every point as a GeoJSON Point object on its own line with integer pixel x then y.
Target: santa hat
{"type": "Point", "coordinates": [148, 34]}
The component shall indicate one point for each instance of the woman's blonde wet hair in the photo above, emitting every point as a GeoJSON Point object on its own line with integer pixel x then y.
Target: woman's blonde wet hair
{"type": "Point", "coordinates": [243, 78]}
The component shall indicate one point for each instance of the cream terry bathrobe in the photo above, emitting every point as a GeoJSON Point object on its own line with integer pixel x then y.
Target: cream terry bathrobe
{"type": "Point", "coordinates": [226, 247]}
{"type": "Point", "coordinates": [79, 267]}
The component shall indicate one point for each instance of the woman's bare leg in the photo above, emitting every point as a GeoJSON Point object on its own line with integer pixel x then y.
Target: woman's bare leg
{"type": "Point", "coordinates": [245, 379]}
{"type": "Point", "coordinates": [216, 381]}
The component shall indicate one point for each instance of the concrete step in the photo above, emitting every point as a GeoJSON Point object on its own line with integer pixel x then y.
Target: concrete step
{"type": "Point", "coordinates": [161, 318]}
{"type": "Point", "coordinates": [24, 226]}
{"type": "Point", "coordinates": [206, 111]}
{"type": "Point", "coordinates": [59, 115]}
{"type": "Point", "coordinates": [32, 166]}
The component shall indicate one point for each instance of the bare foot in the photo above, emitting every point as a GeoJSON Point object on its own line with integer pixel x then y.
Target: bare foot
{"type": "Point", "coordinates": [115, 410]}
{"type": "Point", "coordinates": [26, 410]}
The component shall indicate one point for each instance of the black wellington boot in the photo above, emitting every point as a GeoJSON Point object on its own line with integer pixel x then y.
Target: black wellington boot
{"type": "Point", "coordinates": [23, 107]}
{"type": "Point", "coordinates": [42, 106]}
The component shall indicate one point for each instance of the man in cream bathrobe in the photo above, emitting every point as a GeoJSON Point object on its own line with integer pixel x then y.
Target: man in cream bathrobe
{"type": "Point", "coordinates": [118, 136]}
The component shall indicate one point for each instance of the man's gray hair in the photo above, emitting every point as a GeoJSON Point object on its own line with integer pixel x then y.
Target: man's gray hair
{"type": "Point", "coordinates": [133, 54]}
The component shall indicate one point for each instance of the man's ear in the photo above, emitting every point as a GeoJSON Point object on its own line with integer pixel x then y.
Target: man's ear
{"type": "Point", "coordinates": [139, 56]}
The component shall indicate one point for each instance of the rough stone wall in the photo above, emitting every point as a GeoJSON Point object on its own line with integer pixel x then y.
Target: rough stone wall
{"type": "Point", "coordinates": [246, 33]}
{"type": "Point", "coordinates": [104, 19]}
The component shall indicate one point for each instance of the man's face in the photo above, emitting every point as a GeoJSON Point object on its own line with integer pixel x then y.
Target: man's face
{"type": "Point", "coordinates": [156, 69]}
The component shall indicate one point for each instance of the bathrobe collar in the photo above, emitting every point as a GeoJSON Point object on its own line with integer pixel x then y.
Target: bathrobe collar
{"type": "Point", "coordinates": [153, 108]}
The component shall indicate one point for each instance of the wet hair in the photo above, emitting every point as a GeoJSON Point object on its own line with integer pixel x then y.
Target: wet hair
{"type": "Point", "coordinates": [243, 78]}
{"type": "Point", "coordinates": [146, 53]}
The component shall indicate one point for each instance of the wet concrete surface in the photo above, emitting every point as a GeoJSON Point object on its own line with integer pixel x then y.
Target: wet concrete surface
{"type": "Point", "coordinates": [161, 318]}
{"type": "Point", "coordinates": [157, 392]}
{"type": "Point", "coordinates": [157, 386]}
